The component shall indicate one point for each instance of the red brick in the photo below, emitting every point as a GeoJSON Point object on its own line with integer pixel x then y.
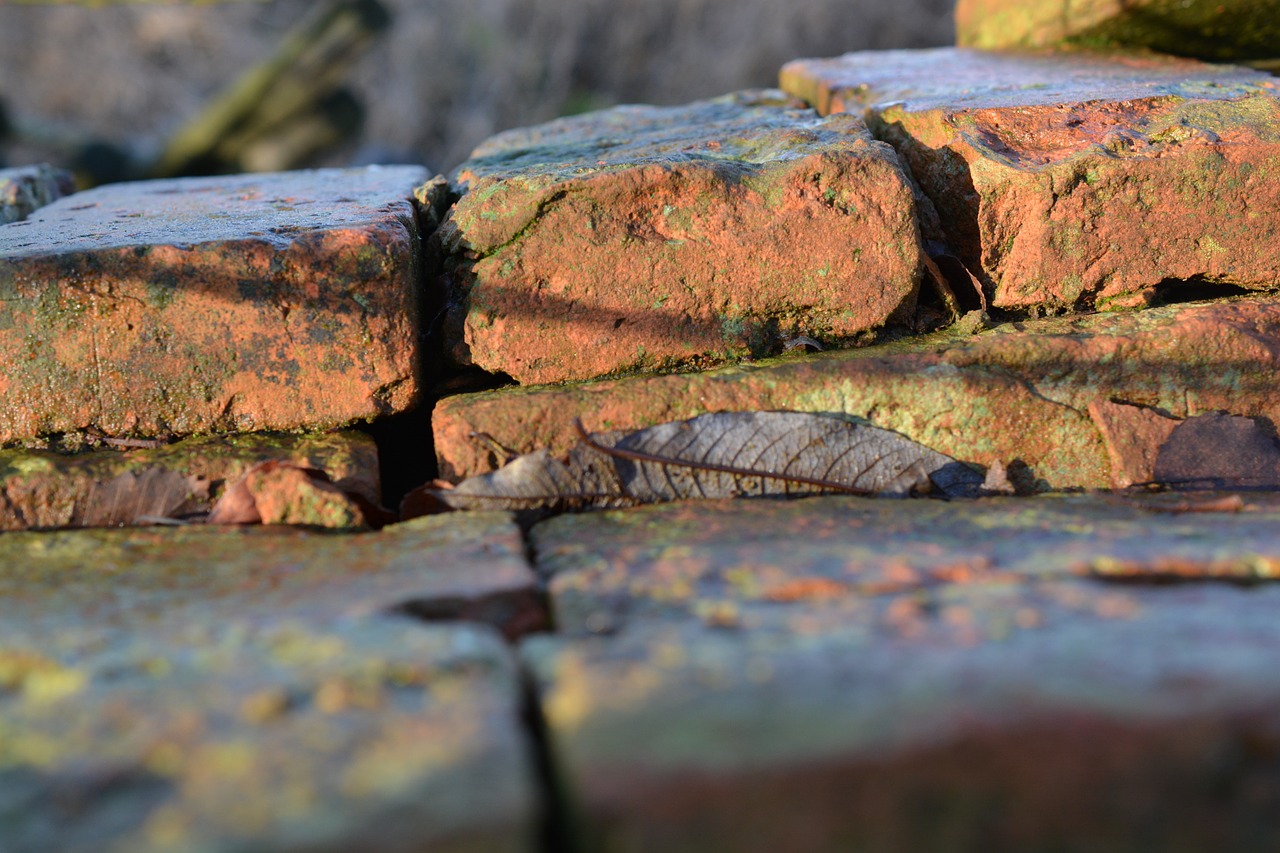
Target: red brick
{"type": "Point", "coordinates": [1072, 181]}
{"type": "Point", "coordinates": [212, 304]}
{"type": "Point", "coordinates": [644, 238]}
{"type": "Point", "coordinates": [1018, 393]}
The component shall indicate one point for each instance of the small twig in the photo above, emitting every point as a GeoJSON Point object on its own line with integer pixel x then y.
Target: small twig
{"type": "Point", "coordinates": [498, 449]}
{"type": "Point", "coordinates": [638, 456]}
{"type": "Point", "coordinates": [127, 443]}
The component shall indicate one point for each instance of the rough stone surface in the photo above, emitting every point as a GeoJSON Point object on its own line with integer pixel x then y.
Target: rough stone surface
{"type": "Point", "coordinates": [846, 674]}
{"type": "Point", "coordinates": [1069, 181]}
{"type": "Point", "coordinates": [1133, 436]}
{"type": "Point", "coordinates": [212, 304]}
{"type": "Point", "coordinates": [643, 238]}
{"type": "Point", "coordinates": [111, 487]}
{"type": "Point", "coordinates": [260, 697]}
{"type": "Point", "coordinates": [25, 189]}
{"type": "Point", "coordinates": [1019, 393]}
{"type": "Point", "coordinates": [1231, 30]}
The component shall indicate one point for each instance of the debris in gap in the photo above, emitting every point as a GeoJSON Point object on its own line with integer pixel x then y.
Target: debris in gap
{"type": "Point", "coordinates": [133, 498]}
{"type": "Point", "coordinates": [723, 455]}
{"type": "Point", "coordinates": [997, 482]}
{"type": "Point", "coordinates": [280, 493]}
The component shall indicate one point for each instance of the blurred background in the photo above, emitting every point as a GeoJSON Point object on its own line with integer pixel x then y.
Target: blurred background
{"type": "Point", "coordinates": [128, 91]}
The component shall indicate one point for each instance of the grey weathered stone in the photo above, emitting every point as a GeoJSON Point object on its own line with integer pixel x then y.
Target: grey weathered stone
{"type": "Point", "coordinates": [237, 690]}
{"type": "Point", "coordinates": [847, 674]}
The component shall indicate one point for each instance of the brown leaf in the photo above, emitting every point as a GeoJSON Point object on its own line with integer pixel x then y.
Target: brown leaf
{"type": "Point", "coordinates": [729, 454]}
{"type": "Point", "coordinates": [152, 492]}
{"type": "Point", "coordinates": [1218, 451]}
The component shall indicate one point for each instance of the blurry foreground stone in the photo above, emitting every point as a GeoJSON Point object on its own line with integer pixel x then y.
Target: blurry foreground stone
{"type": "Point", "coordinates": [1069, 181]}
{"type": "Point", "coordinates": [220, 690]}
{"type": "Point", "coordinates": [1025, 393]}
{"type": "Point", "coordinates": [1220, 30]}
{"type": "Point", "coordinates": [28, 188]}
{"type": "Point", "coordinates": [641, 238]}
{"type": "Point", "coordinates": [105, 488]}
{"type": "Point", "coordinates": [242, 303]}
{"type": "Point", "coordinates": [850, 674]}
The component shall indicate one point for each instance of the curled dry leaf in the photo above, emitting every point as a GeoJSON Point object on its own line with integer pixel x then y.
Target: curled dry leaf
{"type": "Point", "coordinates": [729, 454]}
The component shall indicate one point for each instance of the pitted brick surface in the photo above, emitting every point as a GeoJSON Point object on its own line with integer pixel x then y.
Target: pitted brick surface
{"type": "Point", "coordinates": [650, 237]}
{"type": "Point", "coordinates": [1075, 180]}
{"type": "Point", "coordinates": [212, 304]}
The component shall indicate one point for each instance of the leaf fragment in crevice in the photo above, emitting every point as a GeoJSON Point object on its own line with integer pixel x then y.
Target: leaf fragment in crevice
{"type": "Point", "coordinates": [722, 455]}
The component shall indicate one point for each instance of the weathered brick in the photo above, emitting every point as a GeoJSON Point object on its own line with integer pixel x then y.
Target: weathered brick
{"type": "Point", "coordinates": [642, 238]}
{"type": "Point", "coordinates": [1227, 30]}
{"type": "Point", "coordinates": [220, 690]}
{"type": "Point", "coordinates": [1018, 393]}
{"type": "Point", "coordinates": [212, 304]}
{"type": "Point", "coordinates": [27, 188]}
{"type": "Point", "coordinates": [108, 487]}
{"type": "Point", "coordinates": [852, 674]}
{"type": "Point", "coordinates": [1075, 180]}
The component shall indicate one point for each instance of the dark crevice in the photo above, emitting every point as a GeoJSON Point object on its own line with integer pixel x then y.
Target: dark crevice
{"type": "Point", "coordinates": [517, 615]}
{"type": "Point", "coordinates": [1196, 289]}
{"type": "Point", "coordinates": [406, 452]}
{"type": "Point", "coordinates": [555, 824]}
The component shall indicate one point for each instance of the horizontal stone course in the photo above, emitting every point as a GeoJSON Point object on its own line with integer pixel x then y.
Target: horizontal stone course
{"type": "Point", "coordinates": [239, 303]}
{"type": "Point", "coordinates": [1075, 180]}
{"type": "Point", "coordinates": [642, 238]}
{"type": "Point", "coordinates": [41, 489]}
{"type": "Point", "coordinates": [1018, 393]}
{"type": "Point", "coordinates": [845, 673]}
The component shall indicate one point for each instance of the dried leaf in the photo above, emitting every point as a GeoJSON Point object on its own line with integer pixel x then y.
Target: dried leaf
{"type": "Point", "coordinates": [130, 497]}
{"type": "Point", "coordinates": [729, 454]}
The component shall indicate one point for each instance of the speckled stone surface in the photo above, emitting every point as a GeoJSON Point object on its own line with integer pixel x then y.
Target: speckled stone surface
{"type": "Point", "coordinates": [220, 690]}
{"type": "Point", "coordinates": [846, 674]}
{"type": "Point", "coordinates": [239, 303]}
{"type": "Point", "coordinates": [1074, 180]}
{"type": "Point", "coordinates": [1021, 392]}
{"type": "Point", "coordinates": [642, 238]}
